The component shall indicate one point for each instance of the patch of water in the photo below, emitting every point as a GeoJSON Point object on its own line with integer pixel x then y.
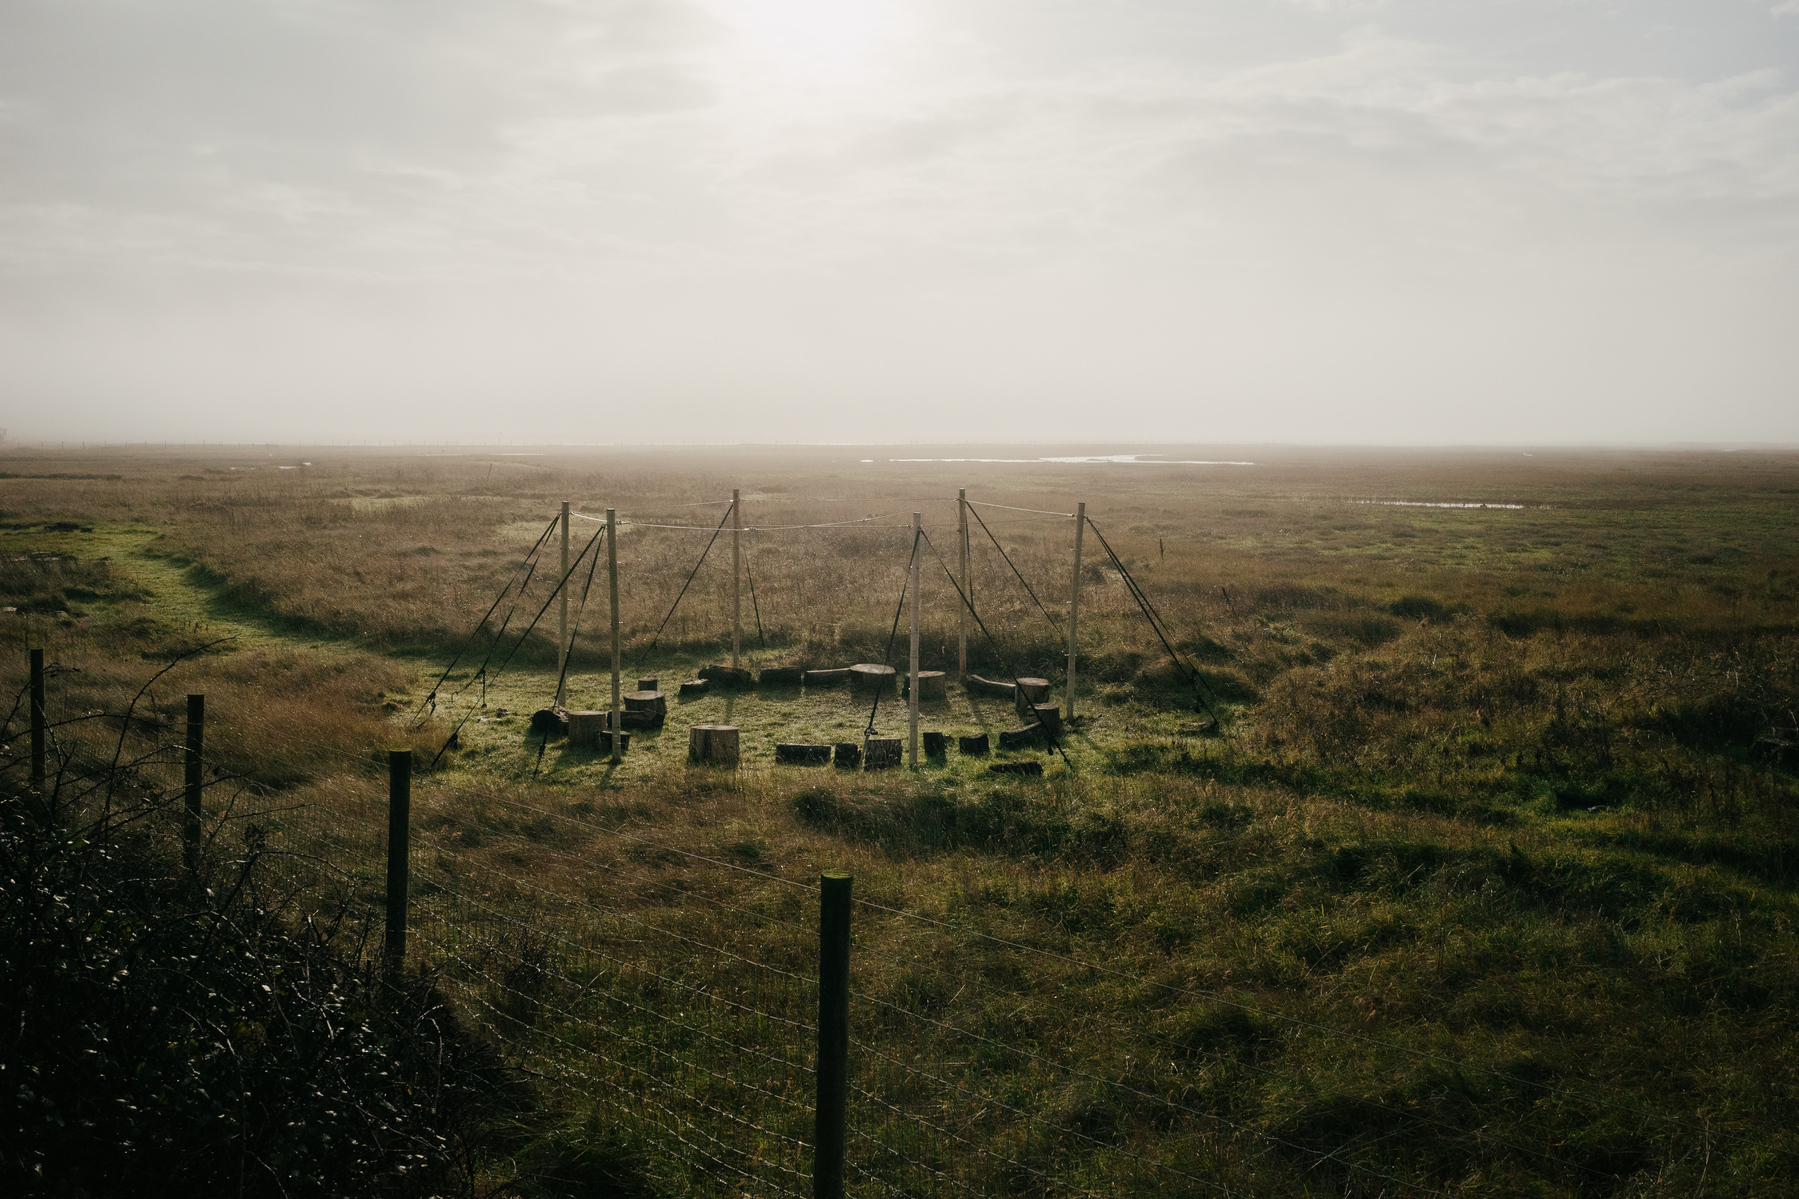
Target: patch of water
{"type": "Point", "coordinates": [1120, 459]}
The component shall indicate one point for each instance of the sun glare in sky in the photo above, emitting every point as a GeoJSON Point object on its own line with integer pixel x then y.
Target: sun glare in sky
{"type": "Point", "coordinates": [818, 38]}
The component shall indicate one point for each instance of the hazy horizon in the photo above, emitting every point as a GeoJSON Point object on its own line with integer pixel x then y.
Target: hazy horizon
{"type": "Point", "coordinates": [1559, 223]}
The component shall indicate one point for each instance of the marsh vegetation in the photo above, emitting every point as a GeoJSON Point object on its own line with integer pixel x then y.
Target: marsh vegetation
{"type": "Point", "coordinates": [1482, 885]}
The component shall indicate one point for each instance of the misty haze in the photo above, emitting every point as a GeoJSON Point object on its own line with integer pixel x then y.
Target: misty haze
{"type": "Point", "coordinates": [663, 598]}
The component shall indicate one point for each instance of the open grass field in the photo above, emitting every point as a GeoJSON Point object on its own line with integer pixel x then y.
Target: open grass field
{"type": "Point", "coordinates": [1482, 884]}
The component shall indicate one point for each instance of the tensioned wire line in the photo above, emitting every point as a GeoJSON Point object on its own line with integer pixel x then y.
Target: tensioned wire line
{"type": "Point", "coordinates": [1295, 1021]}
{"type": "Point", "coordinates": [554, 592]}
{"type": "Point", "coordinates": [887, 654]}
{"type": "Point", "coordinates": [1027, 587]}
{"type": "Point", "coordinates": [1055, 742]}
{"type": "Point", "coordinates": [1165, 636]}
{"type": "Point", "coordinates": [1141, 1094]}
{"type": "Point", "coordinates": [1010, 508]}
{"type": "Point", "coordinates": [432, 694]}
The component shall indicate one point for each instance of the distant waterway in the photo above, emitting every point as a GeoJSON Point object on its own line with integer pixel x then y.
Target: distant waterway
{"type": "Point", "coordinates": [1120, 459]}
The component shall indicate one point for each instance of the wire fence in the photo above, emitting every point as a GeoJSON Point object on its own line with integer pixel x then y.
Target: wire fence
{"type": "Point", "coordinates": [676, 995]}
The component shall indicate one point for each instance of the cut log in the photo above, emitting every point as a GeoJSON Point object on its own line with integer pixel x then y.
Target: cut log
{"type": "Point", "coordinates": [1030, 693]}
{"type": "Point", "coordinates": [849, 755]}
{"type": "Point", "coordinates": [936, 745]}
{"type": "Point", "coordinates": [882, 752]}
{"type": "Point", "coordinates": [1049, 716]}
{"type": "Point", "coordinates": [647, 684]}
{"type": "Point", "coordinates": [825, 678]}
{"type": "Point", "coordinates": [551, 722]}
{"type": "Point", "coordinates": [694, 688]}
{"type": "Point", "coordinates": [871, 677]}
{"type": "Point", "coordinates": [726, 676]}
{"type": "Point", "coordinates": [712, 744]}
{"type": "Point", "coordinates": [653, 702]}
{"type": "Point", "coordinates": [979, 686]}
{"type": "Point", "coordinates": [974, 747]}
{"type": "Point", "coordinates": [1022, 738]}
{"type": "Point", "coordinates": [932, 685]}
{"type": "Point", "coordinates": [802, 754]}
{"type": "Point", "coordinates": [640, 720]}
{"type": "Point", "coordinates": [781, 676]}
{"type": "Point", "coordinates": [1028, 768]}
{"type": "Point", "coordinates": [585, 727]}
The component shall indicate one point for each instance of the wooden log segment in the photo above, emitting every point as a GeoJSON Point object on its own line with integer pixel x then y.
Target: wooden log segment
{"type": "Point", "coordinates": [551, 722]}
{"type": "Point", "coordinates": [726, 676]}
{"type": "Point", "coordinates": [1030, 693]}
{"type": "Point", "coordinates": [1024, 738]}
{"type": "Point", "coordinates": [653, 702]}
{"type": "Point", "coordinates": [639, 720]}
{"type": "Point", "coordinates": [1049, 716]}
{"type": "Point", "coordinates": [932, 685]}
{"type": "Point", "coordinates": [802, 754]}
{"type": "Point", "coordinates": [849, 755]}
{"type": "Point", "coordinates": [882, 752]}
{"type": "Point", "coordinates": [781, 676]}
{"type": "Point", "coordinates": [585, 726]}
{"type": "Point", "coordinates": [712, 745]}
{"type": "Point", "coordinates": [694, 688]}
{"type": "Point", "coordinates": [825, 678]}
{"type": "Point", "coordinates": [871, 677]}
{"type": "Point", "coordinates": [979, 686]}
{"type": "Point", "coordinates": [647, 684]}
{"type": "Point", "coordinates": [974, 747]}
{"type": "Point", "coordinates": [1025, 768]}
{"type": "Point", "coordinates": [588, 729]}
{"type": "Point", "coordinates": [936, 745]}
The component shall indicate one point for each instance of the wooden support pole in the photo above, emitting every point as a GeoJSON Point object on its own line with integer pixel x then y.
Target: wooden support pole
{"type": "Point", "coordinates": [736, 581]}
{"type": "Point", "coordinates": [1074, 599]}
{"type": "Point", "coordinates": [40, 723]}
{"type": "Point", "coordinates": [618, 727]}
{"type": "Point", "coordinates": [562, 619]}
{"type": "Point", "coordinates": [831, 1129]}
{"type": "Point", "coordinates": [399, 829]}
{"type": "Point", "coordinates": [196, 745]}
{"type": "Point", "coordinates": [962, 572]}
{"type": "Point", "coordinates": [912, 668]}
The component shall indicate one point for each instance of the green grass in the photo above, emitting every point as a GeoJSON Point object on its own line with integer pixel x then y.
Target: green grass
{"type": "Point", "coordinates": [1483, 886]}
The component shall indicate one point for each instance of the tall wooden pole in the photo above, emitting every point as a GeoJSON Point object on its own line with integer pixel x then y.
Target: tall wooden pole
{"type": "Point", "coordinates": [736, 581]}
{"type": "Point", "coordinates": [618, 724]}
{"type": "Point", "coordinates": [912, 708]}
{"type": "Point", "coordinates": [1074, 599]}
{"type": "Point", "coordinates": [962, 572]}
{"type": "Point", "coordinates": [562, 620]}
{"type": "Point", "coordinates": [39, 721]}
{"type": "Point", "coordinates": [831, 1126]}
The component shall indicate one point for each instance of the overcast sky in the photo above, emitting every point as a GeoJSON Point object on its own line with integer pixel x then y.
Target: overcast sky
{"type": "Point", "coordinates": [1413, 221]}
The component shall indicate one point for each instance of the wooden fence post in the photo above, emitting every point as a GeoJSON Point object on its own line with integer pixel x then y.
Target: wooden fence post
{"type": "Point", "coordinates": [962, 569]}
{"type": "Point", "coordinates": [832, 1127]}
{"type": "Point", "coordinates": [736, 581]}
{"type": "Point", "coordinates": [1074, 600]}
{"type": "Point", "coordinates": [618, 724]}
{"type": "Point", "coordinates": [912, 668]}
{"type": "Point", "coordinates": [196, 744]}
{"type": "Point", "coordinates": [39, 724]}
{"type": "Point", "coordinates": [562, 622]}
{"type": "Point", "coordinates": [399, 826]}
